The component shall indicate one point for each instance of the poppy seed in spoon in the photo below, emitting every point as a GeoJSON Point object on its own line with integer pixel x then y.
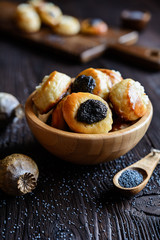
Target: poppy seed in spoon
{"type": "Point", "coordinates": [130, 178]}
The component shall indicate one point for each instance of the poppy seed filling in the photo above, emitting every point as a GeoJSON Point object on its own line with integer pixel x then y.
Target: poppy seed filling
{"type": "Point", "coordinates": [94, 21]}
{"type": "Point", "coordinates": [84, 83]}
{"type": "Point", "coordinates": [91, 111]}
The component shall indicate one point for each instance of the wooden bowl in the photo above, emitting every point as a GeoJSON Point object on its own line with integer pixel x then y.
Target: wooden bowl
{"type": "Point", "coordinates": [86, 148]}
{"type": "Point", "coordinates": [135, 19]}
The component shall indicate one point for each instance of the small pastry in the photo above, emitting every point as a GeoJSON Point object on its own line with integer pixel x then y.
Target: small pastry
{"type": "Point", "coordinates": [27, 18]}
{"type": "Point", "coordinates": [68, 25]}
{"type": "Point", "coordinates": [87, 113]}
{"type": "Point", "coordinates": [114, 76]}
{"type": "Point", "coordinates": [57, 117]}
{"type": "Point", "coordinates": [49, 13]}
{"type": "Point", "coordinates": [93, 81]}
{"type": "Point", "coordinates": [129, 100]}
{"type": "Point", "coordinates": [94, 26]}
{"type": "Point", "coordinates": [50, 91]}
{"type": "Point", "coordinates": [35, 3]}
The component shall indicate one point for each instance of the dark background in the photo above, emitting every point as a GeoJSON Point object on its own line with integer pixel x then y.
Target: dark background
{"type": "Point", "coordinates": [79, 202]}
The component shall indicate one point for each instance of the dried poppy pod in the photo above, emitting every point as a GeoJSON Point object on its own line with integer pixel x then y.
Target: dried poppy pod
{"type": "Point", "coordinates": [18, 174]}
{"type": "Point", "coordinates": [9, 108]}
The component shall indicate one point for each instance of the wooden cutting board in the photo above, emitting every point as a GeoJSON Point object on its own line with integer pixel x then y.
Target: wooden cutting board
{"type": "Point", "coordinates": [81, 47]}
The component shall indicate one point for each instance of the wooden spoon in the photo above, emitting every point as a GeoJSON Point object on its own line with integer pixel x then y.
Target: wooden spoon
{"type": "Point", "coordinates": [145, 166]}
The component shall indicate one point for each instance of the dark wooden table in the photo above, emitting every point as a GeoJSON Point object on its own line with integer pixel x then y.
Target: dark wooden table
{"type": "Point", "coordinates": [70, 201]}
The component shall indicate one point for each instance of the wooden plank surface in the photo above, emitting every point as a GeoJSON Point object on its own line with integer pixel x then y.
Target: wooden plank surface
{"type": "Point", "coordinates": [70, 201]}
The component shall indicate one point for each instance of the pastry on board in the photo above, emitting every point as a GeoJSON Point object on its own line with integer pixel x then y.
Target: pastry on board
{"type": "Point", "coordinates": [87, 113]}
{"type": "Point", "coordinates": [94, 26]}
{"type": "Point", "coordinates": [50, 91]}
{"type": "Point", "coordinates": [128, 99]}
{"type": "Point", "coordinates": [49, 13]}
{"type": "Point", "coordinates": [114, 76]}
{"type": "Point", "coordinates": [67, 25]}
{"type": "Point", "coordinates": [36, 3]}
{"type": "Point", "coordinates": [27, 18]}
{"type": "Point", "coordinates": [102, 82]}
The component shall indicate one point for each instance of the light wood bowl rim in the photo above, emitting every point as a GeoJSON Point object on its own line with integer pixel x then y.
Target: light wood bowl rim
{"type": "Point", "coordinates": [29, 112]}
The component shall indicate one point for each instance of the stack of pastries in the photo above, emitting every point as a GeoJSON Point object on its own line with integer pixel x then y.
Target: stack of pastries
{"type": "Point", "coordinates": [32, 15]}
{"type": "Point", "coordinates": [92, 102]}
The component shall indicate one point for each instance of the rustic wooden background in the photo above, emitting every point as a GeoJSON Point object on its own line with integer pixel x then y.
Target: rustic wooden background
{"type": "Point", "coordinates": [79, 202]}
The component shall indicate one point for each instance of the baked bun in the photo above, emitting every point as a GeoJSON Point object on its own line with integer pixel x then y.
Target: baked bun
{"type": "Point", "coordinates": [114, 76]}
{"type": "Point", "coordinates": [57, 117]}
{"type": "Point", "coordinates": [27, 18]}
{"type": "Point", "coordinates": [36, 3]}
{"type": "Point", "coordinates": [87, 113]}
{"type": "Point", "coordinates": [129, 99]}
{"type": "Point", "coordinates": [94, 26]}
{"type": "Point", "coordinates": [50, 91]}
{"type": "Point", "coordinates": [49, 13]}
{"type": "Point", "coordinates": [102, 82]}
{"type": "Point", "coordinates": [68, 25]}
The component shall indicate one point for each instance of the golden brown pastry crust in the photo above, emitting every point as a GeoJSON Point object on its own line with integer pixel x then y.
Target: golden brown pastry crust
{"type": "Point", "coordinates": [114, 76]}
{"type": "Point", "coordinates": [27, 18]}
{"type": "Point", "coordinates": [57, 117]}
{"type": "Point", "coordinates": [67, 25]}
{"type": "Point", "coordinates": [36, 3]}
{"type": "Point", "coordinates": [103, 83]}
{"type": "Point", "coordinates": [50, 91]}
{"type": "Point", "coordinates": [94, 27]}
{"type": "Point", "coordinates": [49, 13]}
{"type": "Point", "coordinates": [129, 100]}
{"type": "Point", "coordinates": [70, 108]}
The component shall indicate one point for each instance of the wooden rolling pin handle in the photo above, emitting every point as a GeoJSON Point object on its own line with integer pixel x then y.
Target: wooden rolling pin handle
{"type": "Point", "coordinates": [143, 56]}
